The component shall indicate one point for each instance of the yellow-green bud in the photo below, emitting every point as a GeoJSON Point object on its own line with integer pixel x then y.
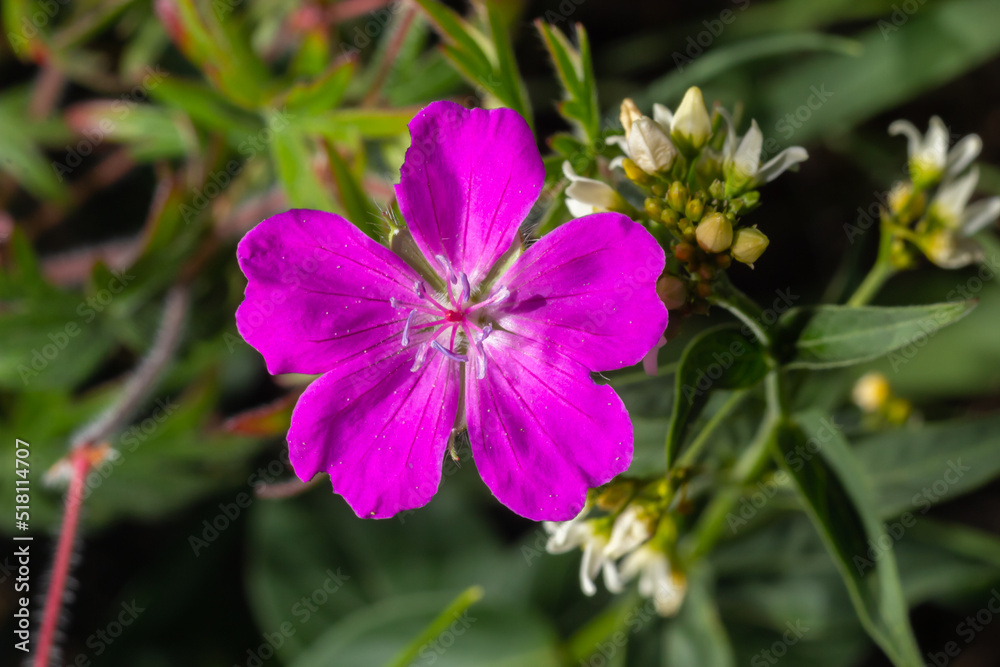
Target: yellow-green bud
{"type": "Point", "coordinates": [714, 233]}
{"type": "Point", "coordinates": [669, 217]}
{"type": "Point", "coordinates": [695, 208]}
{"type": "Point", "coordinates": [677, 196]}
{"type": "Point", "coordinates": [672, 291]}
{"type": "Point", "coordinates": [653, 208]}
{"type": "Point", "coordinates": [633, 172]}
{"type": "Point", "coordinates": [717, 189]}
{"type": "Point", "coordinates": [749, 244]}
{"type": "Point", "coordinates": [691, 125]}
{"type": "Point", "coordinates": [871, 391]}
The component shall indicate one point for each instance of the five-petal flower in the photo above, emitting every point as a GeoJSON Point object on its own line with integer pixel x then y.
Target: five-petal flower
{"type": "Point", "coordinates": [477, 335]}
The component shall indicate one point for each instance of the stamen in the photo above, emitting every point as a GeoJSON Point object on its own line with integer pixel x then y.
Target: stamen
{"type": "Point", "coordinates": [461, 358]}
{"type": "Point", "coordinates": [406, 329]}
{"type": "Point", "coordinates": [499, 294]}
{"type": "Point", "coordinates": [418, 287]}
{"type": "Point", "coordinates": [481, 366]}
{"type": "Point", "coordinates": [446, 265]}
{"type": "Point", "coordinates": [466, 289]}
{"type": "Point", "coordinates": [393, 303]}
{"type": "Point", "coordinates": [421, 357]}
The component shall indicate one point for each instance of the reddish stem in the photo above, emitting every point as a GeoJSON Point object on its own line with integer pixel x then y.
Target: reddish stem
{"type": "Point", "coordinates": [54, 597]}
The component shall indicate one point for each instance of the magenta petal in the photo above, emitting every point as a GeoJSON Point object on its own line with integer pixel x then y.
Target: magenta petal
{"type": "Point", "coordinates": [469, 178]}
{"type": "Point", "coordinates": [318, 293]}
{"type": "Point", "coordinates": [587, 290]}
{"type": "Point", "coordinates": [380, 433]}
{"type": "Point", "coordinates": [542, 431]}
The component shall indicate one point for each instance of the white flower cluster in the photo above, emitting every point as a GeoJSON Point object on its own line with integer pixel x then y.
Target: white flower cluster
{"type": "Point", "coordinates": [626, 552]}
{"type": "Point", "coordinates": [951, 219]}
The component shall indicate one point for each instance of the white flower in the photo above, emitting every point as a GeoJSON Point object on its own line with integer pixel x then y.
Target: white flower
{"type": "Point", "coordinates": [741, 159]}
{"type": "Point", "coordinates": [656, 579]}
{"type": "Point", "coordinates": [586, 195]}
{"type": "Point", "coordinates": [645, 142]}
{"type": "Point", "coordinates": [950, 251]}
{"type": "Point", "coordinates": [951, 206]}
{"type": "Point", "coordinates": [578, 532]}
{"type": "Point", "coordinates": [930, 159]}
{"type": "Point", "coordinates": [691, 124]}
{"type": "Point", "coordinates": [632, 527]}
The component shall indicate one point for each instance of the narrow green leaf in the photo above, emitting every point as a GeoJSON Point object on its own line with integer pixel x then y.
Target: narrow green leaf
{"type": "Point", "coordinates": [457, 32]}
{"type": "Point", "coordinates": [343, 125]}
{"type": "Point", "coordinates": [465, 599]}
{"type": "Point", "coordinates": [832, 336]}
{"type": "Point", "coordinates": [576, 73]}
{"type": "Point", "coordinates": [360, 209]}
{"type": "Point", "coordinates": [514, 93]}
{"type": "Point", "coordinates": [323, 93]}
{"type": "Point", "coordinates": [720, 358]}
{"type": "Point", "coordinates": [834, 490]}
{"type": "Point", "coordinates": [293, 162]}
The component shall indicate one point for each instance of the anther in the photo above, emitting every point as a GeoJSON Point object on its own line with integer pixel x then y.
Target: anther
{"type": "Point", "coordinates": [461, 358]}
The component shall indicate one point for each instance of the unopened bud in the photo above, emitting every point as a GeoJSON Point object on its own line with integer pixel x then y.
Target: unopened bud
{"type": "Point", "coordinates": [749, 244]}
{"type": "Point", "coordinates": [694, 209]}
{"type": "Point", "coordinates": [633, 172]}
{"type": "Point", "coordinates": [677, 196]}
{"type": "Point", "coordinates": [669, 217]}
{"type": "Point", "coordinates": [871, 392]}
{"type": "Point", "coordinates": [672, 291]}
{"type": "Point", "coordinates": [629, 114]}
{"type": "Point", "coordinates": [692, 126]}
{"type": "Point", "coordinates": [653, 207]}
{"type": "Point", "coordinates": [684, 252]}
{"type": "Point", "coordinates": [714, 233]}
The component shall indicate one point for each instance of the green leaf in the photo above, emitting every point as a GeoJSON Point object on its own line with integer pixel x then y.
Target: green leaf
{"type": "Point", "coordinates": [697, 636]}
{"type": "Point", "coordinates": [451, 613]}
{"type": "Point", "coordinates": [151, 132]}
{"type": "Point", "coordinates": [359, 207]}
{"type": "Point", "coordinates": [323, 93]}
{"type": "Point", "coordinates": [730, 57]}
{"type": "Point", "coordinates": [514, 94]}
{"type": "Point", "coordinates": [832, 336]}
{"type": "Point", "coordinates": [911, 470]}
{"type": "Point", "coordinates": [720, 358]}
{"type": "Point", "coordinates": [466, 40]}
{"type": "Point", "coordinates": [347, 125]}
{"type": "Point", "coordinates": [576, 73]}
{"type": "Point", "coordinates": [293, 161]}
{"type": "Point", "coordinates": [833, 487]}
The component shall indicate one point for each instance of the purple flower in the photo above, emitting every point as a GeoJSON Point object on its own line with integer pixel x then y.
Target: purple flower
{"type": "Point", "coordinates": [469, 331]}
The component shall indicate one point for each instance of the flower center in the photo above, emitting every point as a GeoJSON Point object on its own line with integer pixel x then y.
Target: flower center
{"type": "Point", "coordinates": [457, 329]}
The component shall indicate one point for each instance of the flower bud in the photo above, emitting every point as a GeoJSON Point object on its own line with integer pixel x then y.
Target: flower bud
{"type": "Point", "coordinates": [749, 243]}
{"type": "Point", "coordinates": [629, 114]}
{"type": "Point", "coordinates": [677, 196]}
{"type": "Point", "coordinates": [633, 172]}
{"type": "Point", "coordinates": [714, 233]}
{"type": "Point", "coordinates": [672, 291]}
{"type": "Point", "coordinates": [653, 207]}
{"type": "Point", "coordinates": [691, 125]}
{"type": "Point", "coordinates": [684, 252]}
{"type": "Point", "coordinates": [695, 208]}
{"type": "Point", "coordinates": [649, 146]}
{"type": "Point", "coordinates": [871, 392]}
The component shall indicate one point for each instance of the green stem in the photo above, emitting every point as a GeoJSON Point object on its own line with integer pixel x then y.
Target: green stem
{"type": "Point", "coordinates": [880, 272]}
{"type": "Point", "coordinates": [749, 467]}
{"type": "Point", "coordinates": [743, 307]}
{"type": "Point", "coordinates": [691, 453]}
